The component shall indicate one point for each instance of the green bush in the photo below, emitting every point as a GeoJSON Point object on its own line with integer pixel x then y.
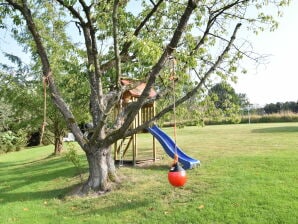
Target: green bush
{"type": "Point", "coordinates": [224, 120]}
{"type": "Point", "coordinates": [10, 141]}
{"type": "Point", "coordinates": [73, 157]}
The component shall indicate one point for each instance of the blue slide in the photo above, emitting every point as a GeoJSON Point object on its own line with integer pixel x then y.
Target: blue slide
{"type": "Point", "coordinates": [169, 146]}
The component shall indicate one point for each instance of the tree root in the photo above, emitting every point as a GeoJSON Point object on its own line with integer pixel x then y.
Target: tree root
{"type": "Point", "coordinates": [84, 190]}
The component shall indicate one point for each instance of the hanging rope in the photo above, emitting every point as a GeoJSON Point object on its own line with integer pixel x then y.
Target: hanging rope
{"type": "Point", "coordinates": [44, 123]}
{"type": "Point", "coordinates": [173, 78]}
{"type": "Point", "coordinates": [176, 174]}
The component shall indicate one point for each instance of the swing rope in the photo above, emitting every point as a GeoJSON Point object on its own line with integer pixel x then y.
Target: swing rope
{"type": "Point", "coordinates": [176, 175]}
{"type": "Point", "coordinates": [173, 78]}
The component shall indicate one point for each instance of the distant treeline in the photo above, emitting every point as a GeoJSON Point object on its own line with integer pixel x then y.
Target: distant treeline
{"type": "Point", "coordinates": [244, 119]}
{"type": "Point", "coordinates": [270, 113]}
{"type": "Point", "coordinates": [274, 108]}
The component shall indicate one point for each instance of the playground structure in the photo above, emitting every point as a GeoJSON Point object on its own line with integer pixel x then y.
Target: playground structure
{"type": "Point", "coordinates": [122, 147]}
{"type": "Point", "coordinates": [147, 112]}
{"type": "Point", "coordinates": [171, 148]}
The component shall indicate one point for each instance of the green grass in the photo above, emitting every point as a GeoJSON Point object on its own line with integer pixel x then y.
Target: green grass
{"type": "Point", "coordinates": [248, 175]}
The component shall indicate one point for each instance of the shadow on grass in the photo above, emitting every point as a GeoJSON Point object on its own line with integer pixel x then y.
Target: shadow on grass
{"type": "Point", "coordinates": [22, 163]}
{"type": "Point", "coordinates": [47, 171]}
{"type": "Point", "coordinates": [276, 129]}
{"type": "Point", "coordinates": [153, 167]}
{"type": "Point", "coordinates": [111, 210]}
{"type": "Point", "coordinates": [10, 197]}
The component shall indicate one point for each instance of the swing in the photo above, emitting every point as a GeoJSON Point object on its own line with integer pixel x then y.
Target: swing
{"type": "Point", "coordinates": [176, 174]}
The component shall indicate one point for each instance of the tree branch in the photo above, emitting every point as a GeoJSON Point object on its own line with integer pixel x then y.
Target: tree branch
{"type": "Point", "coordinates": [141, 26]}
{"type": "Point", "coordinates": [126, 45]}
{"type": "Point", "coordinates": [47, 72]}
{"type": "Point", "coordinates": [191, 93]}
{"type": "Point", "coordinates": [72, 10]}
{"type": "Point", "coordinates": [220, 11]}
{"type": "Point", "coordinates": [116, 44]}
{"type": "Point", "coordinates": [133, 109]}
{"type": "Point", "coordinates": [202, 81]}
{"type": "Point", "coordinates": [94, 72]}
{"type": "Point", "coordinates": [118, 74]}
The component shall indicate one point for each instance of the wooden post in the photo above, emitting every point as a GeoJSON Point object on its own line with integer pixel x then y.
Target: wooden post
{"type": "Point", "coordinates": [115, 151]}
{"type": "Point", "coordinates": [154, 140]}
{"type": "Point", "coordinates": [134, 140]}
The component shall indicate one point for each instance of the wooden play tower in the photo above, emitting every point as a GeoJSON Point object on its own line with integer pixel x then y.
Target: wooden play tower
{"type": "Point", "coordinates": [130, 143]}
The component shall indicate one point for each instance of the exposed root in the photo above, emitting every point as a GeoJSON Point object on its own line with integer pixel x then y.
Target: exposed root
{"type": "Point", "coordinates": [84, 190]}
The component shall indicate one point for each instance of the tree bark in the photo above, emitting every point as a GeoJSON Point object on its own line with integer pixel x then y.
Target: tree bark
{"type": "Point", "coordinates": [102, 171]}
{"type": "Point", "coordinates": [58, 136]}
{"type": "Point", "coordinates": [58, 144]}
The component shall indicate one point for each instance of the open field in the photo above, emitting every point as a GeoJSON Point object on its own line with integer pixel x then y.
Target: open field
{"type": "Point", "coordinates": [249, 174]}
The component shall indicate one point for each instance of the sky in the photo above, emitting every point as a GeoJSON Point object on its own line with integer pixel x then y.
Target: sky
{"type": "Point", "coordinates": [276, 81]}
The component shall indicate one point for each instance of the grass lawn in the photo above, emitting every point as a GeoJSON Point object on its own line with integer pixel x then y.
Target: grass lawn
{"type": "Point", "coordinates": [249, 174]}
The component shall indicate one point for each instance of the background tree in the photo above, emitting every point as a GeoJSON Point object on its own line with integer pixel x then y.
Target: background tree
{"type": "Point", "coordinates": [272, 108]}
{"type": "Point", "coordinates": [14, 121]}
{"type": "Point", "coordinates": [23, 92]}
{"type": "Point", "coordinates": [226, 103]}
{"type": "Point", "coordinates": [200, 35]}
{"type": "Point", "coordinates": [5, 116]}
{"type": "Point", "coordinates": [18, 88]}
{"type": "Point", "coordinates": [65, 59]}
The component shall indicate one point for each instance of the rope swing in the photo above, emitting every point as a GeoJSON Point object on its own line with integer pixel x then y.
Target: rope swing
{"type": "Point", "coordinates": [176, 174]}
{"type": "Point", "coordinates": [173, 79]}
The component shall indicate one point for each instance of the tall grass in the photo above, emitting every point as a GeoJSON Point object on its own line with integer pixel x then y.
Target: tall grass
{"type": "Point", "coordinates": [248, 175]}
{"type": "Point", "coordinates": [270, 118]}
{"type": "Point", "coordinates": [285, 116]}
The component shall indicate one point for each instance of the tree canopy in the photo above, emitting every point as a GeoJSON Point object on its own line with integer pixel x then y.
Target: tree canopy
{"type": "Point", "coordinates": [225, 98]}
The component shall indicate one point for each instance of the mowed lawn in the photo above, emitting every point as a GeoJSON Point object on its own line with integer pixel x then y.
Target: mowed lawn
{"type": "Point", "coordinates": [248, 174]}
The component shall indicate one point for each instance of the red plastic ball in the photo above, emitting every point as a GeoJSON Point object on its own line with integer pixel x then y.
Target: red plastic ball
{"type": "Point", "coordinates": [177, 179]}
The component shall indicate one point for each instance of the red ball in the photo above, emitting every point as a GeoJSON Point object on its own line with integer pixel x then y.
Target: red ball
{"type": "Point", "coordinates": [177, 178]}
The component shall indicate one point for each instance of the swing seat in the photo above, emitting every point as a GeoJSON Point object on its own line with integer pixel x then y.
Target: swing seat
{"type": "Point", "coordinates": [177, 176]}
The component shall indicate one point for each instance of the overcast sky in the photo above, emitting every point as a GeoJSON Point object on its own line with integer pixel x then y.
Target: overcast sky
{"type": "Point", "coordinates": [277, 81]}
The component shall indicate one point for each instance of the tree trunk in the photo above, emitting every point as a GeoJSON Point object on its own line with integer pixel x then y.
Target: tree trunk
{"type": "Point", "coordinates": [58, 144]}
{"type": "Point", "coordinates": [58, 136]}
{"type": "Point", "coordinates": [102, 171]}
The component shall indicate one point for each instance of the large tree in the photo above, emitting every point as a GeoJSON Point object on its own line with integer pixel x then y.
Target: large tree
{"type": "Point", "coordinates": [138, 42]}
{"type": "Point", "coordinates": [226, 102]}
